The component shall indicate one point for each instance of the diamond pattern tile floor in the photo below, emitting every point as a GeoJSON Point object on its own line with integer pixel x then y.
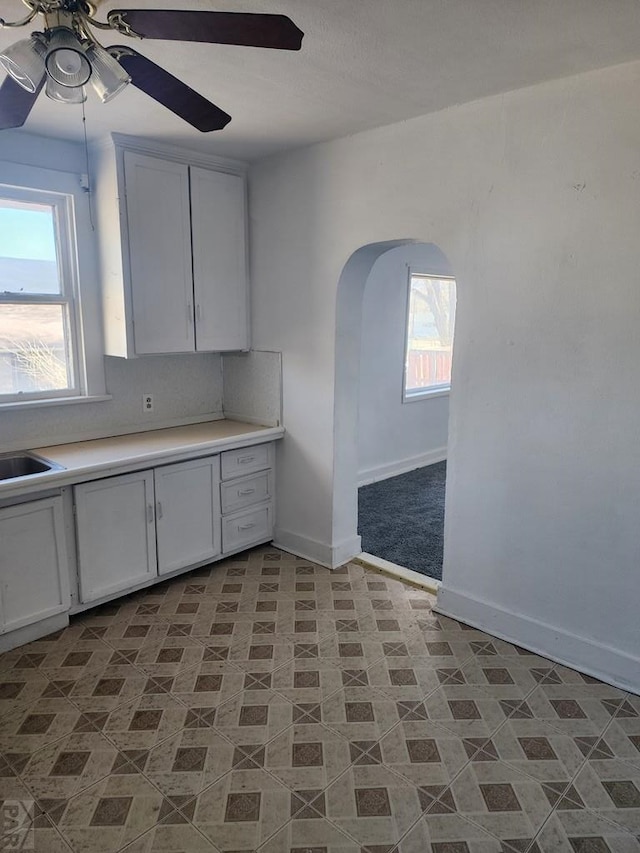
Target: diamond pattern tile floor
{"type": "Point", "coordinates": [267, 704]}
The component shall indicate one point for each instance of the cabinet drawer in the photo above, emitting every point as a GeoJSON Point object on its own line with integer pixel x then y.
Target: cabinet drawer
{"type": "Point", "coordinates": [246, 491]}
{"type": "Point", "coordinates": [246, 528]}
{"type": "Point", "coordinates": [245, 461]}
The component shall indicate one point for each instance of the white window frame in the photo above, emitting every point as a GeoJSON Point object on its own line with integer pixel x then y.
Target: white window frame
{"type": "Point", "coordinates": [78, 277]}
{"type": "Point", "coordinates": [419, 394]}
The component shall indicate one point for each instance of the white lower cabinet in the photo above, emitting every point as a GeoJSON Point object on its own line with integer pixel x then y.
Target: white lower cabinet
{"type": "Point", "coordinates": [246, 496]}
{"type": "Point", "coordinates": [187, 513]}
{"type": "Point", "coordinates": [133, 528]}
{"type": "Point", "coordinates": [115, 527]}
{"type": "Point", "coordinates": [34, 575]}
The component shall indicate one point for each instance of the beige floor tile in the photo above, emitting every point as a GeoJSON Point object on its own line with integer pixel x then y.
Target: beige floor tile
{"type": "Point", "coordinates": [423, 752]}
{"type": "Point", "coordinates": [311, 835]}
{"type": "Point", "coordinates": [371, 804]}
{"type": "Point", "coordinates": [242, 810]}
{"type": "Point", "coordinates": [448, 833]}
{"type": "Point", "coordinates": [622, 738]}
{"type": "Point", "coordinates": [254, 717]}
{"type": "Point", "coordinates": [190, 761]}
{"type": "Point", "coordinates": [611, 788]}
{"type": "Point", "coordinates": [537, 749]}
{"type": "Point", "coordinates": [501, 800]}
{"type": "Point", "coordinates": [583, 832]}
{"type": "Point", "coordinates": [145, 721]}
{"type": "Point", "coordinates": [110, 814]}
{"type": "Point", "coordinates": [167, 838]}
{"type": "Point", "coordinates": [265, 703]}
{"type": "Point", "coordinates": [307, 756]}
{"type": "Point", "coordinates": [69, 765]}
{"type": "Point", "coordinates": [33, 727]}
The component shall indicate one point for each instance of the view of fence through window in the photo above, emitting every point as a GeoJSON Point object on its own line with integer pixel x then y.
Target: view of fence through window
{"type": "Point", "coordinates": [34, 310]}
{"type": "Point", "coordinates": [430, 324]}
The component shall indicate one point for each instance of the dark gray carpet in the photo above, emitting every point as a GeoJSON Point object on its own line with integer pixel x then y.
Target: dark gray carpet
{"type": "Point", "coordinates": [402, 519]}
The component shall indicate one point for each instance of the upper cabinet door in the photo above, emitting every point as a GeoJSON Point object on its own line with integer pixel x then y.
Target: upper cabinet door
{"type": "Point", "coordinates": [219, 260]}
{"type": "Point", "coordinates": [157, 201]}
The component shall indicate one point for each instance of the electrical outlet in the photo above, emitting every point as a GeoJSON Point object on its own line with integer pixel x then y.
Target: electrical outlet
{"type": "Point", "coordinates": [147, 402]}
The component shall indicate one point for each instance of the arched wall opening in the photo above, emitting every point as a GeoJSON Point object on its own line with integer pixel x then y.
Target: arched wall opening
{"type": "Point", "coordinates": [349, 309]}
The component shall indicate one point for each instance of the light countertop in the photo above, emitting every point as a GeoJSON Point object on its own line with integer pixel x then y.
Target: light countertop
{"type": "Point", "coordinates": [85, 460]}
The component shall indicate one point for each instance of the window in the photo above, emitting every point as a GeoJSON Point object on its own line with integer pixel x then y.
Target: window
{"type": "Point", "coordinates": [431, 315]}
{"type": "Point", "coordinates": [38, 351]}
{"type": "Point", "coordinates": [50, 331]}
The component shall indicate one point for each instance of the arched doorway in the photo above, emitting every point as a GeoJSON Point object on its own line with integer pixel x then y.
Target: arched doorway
{"type": "Point", "coordinates": [349, 335]}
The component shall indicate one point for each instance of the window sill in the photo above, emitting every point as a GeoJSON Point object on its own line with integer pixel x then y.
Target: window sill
{"type": "Point", "coordinates": [426, 395]}
{"type": "Point", "coordinates": [60, 401]}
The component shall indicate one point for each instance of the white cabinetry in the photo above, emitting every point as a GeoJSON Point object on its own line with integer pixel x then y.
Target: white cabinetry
{"type": "Point", "coordinates": [172, 239]}
{"type": "Point", "coordinates": [33, 563]}
{"type": "Point", "coordinates": [159, 254]}
{"type": "Point", "coordinates": [134, 527]}
{"type": "Point", "coordinates": [247, 501]}
{"type": "Point", "coordinates": [187, 513]}
{"type": "Point", "coordinates": [115, 526]}
{"type": "Point", "coordinates": [218, 223]}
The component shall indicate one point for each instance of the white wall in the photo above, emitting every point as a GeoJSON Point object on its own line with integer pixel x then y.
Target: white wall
{"type": "Point", "coordinates": [394, 437]}
{"type": "Point", "coordinates": [533, 197]}
{"type": "Point", "coordinates": [185, 387]}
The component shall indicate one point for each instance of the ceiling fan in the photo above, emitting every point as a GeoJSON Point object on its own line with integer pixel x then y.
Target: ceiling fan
{"type": "Point", "coordinates": [66, 56]}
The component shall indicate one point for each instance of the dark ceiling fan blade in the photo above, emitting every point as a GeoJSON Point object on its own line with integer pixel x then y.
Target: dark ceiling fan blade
{"type": "Point", "coordinates": [16, 103]}
{"type": "Point", "coordinates": [169, 91]}
{"type": "Point", "coordinates": [242, 28]}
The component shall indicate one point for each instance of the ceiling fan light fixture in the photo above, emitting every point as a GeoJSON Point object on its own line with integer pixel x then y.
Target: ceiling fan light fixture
{"type": "Point", "coordinates": [108, 77]}
{"type": "Point", "coordinates": [66, 61]}
{"type": "Point", "coordinates": [24, 61]}
{"type": "Point", "coordinates": [63, 94]}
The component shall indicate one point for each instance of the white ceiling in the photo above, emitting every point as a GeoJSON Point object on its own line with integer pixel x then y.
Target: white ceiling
{"type": "Point", "coordinates": [363, 63]}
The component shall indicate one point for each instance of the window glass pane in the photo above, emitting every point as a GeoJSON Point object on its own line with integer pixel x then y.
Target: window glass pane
{"type": "Point", "coordinates": [34, 354]}
{"type": "Point", "coordinates": [432, 310]}
{"type": "Point", "coordinates": [28, 262]}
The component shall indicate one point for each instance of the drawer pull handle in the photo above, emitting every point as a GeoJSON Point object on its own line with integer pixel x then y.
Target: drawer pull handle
{"type": "Point", "coordinates": [242, 460]}
{"type": "Point", "coordinates": [246, 526]}
{"type": "Point", "coordinates": [243, 492]}
{"type": "Point", "coordinates": [159, 509]}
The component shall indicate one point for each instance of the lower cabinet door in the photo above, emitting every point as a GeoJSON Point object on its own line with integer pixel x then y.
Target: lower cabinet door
{"type": "Point", "coordinates": [34, 573]}
{"type": "Point", "coordinates": [116, 534]}
{"type": "Point", "coordinates": [188, 513]}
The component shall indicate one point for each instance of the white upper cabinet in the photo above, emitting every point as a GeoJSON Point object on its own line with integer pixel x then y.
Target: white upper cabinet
{"type": "Point", "coordinates": [173, 251]}
{"type": "Point", "coordinates": [159, 254]}
{"type": "Point", "coordinates": [219, 260]}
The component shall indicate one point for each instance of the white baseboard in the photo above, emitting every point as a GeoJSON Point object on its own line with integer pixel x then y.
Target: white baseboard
{"type": "Point", "coordinates": [400, 572]}
{"type": "Point", "coordinates": [401, 466]}
{"type": "Point", "coordinates": [330, 556]}
{"type": "Point", "coordinates": [572, 650]}
{"type": "Point", "coordinates": [29, 633]}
